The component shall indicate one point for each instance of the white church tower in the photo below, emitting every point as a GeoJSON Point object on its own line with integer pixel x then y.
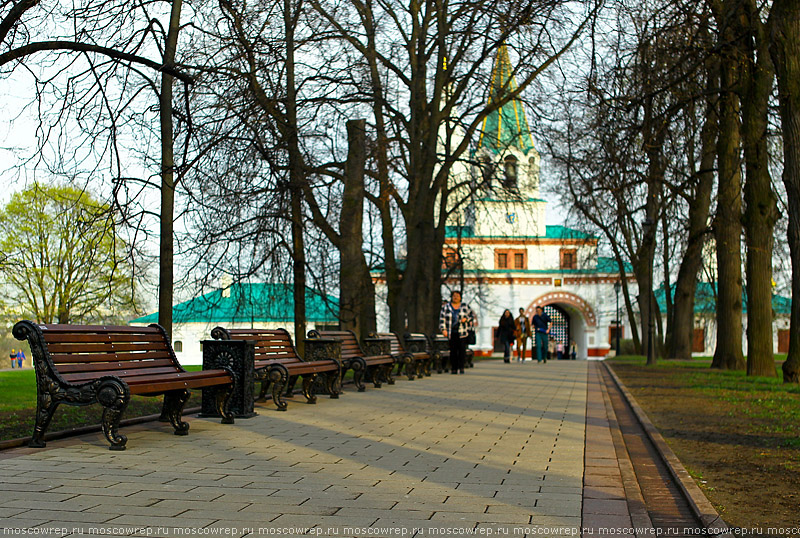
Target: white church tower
{"type": "Point", "coordinates": [506, 255]}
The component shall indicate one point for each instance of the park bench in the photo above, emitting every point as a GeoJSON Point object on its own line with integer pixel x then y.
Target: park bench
{"type": "Point", "coordinates": [420, 343]}
{"type": "Point", "coordinates": [412, 362]}
{"type": "Point", "coordinates": [106, 364]}
{"type": "Point", "coordinates": [441, 349]}
{"type": "Point", "coordinates": [370, 364]}
{"type": "Point", "coordinates": [278, 364]}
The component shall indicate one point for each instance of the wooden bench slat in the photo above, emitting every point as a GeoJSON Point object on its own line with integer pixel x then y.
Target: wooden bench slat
{"type": "Point", "coordinates": [71, 358]}
{"type": "Point", "coordinates": [106, 347]}
{"type": "Point", "coordinates": [88, 338]}
{"type": "Point", "coordinates": [125, 374]}
{"type": "Point", "coordinates": [67, 368]}
{"type": "Point", "coordinates": [104, 329]}
{"type": "Point", "coordinates": [159, 387]}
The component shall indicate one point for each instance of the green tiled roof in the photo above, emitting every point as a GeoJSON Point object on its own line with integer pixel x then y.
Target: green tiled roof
{"type": "Point", "coordinates": [562, 232]}
{"type": "Point", "coordinates": [609, 265]}
{"type": "Point", "coordinates": [705, 300]}
{"type": "Point", "coordinates": [551, 232]}
{"type": "Point", "coordinates": [455, 231]}
{"type": "Point", "coordinates": [507, 126]}
{"type": "Point", "coordinates": [250, 303]}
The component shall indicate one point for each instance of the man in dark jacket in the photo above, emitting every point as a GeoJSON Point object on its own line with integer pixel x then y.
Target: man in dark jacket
{"type": "Point", "coordinates": [541, 327]}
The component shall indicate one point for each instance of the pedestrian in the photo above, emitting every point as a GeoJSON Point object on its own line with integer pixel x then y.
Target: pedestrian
{"type": "Point", "coordinates": [541, 327]}
{"type": "Point", "coordinates": [20, 358]}
{"type": "Point", "coordinates": [505, 332]}
{"type": "Point", "coordinates": [13, 356]}
{"type": "Point", "coordinates": [523, 326]}
{"type": "Point", "coordinates": [573, 350]}
{"type": "Point", "coordinates": [456, 321]}
{"type": "Point", "coordinates": [560, 350]}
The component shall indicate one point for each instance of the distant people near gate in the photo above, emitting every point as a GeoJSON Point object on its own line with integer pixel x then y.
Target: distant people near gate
{"type": "Point", "coordinates": [560, 350]}
{"type": "Point", "coordinates": [13, 357]}
{"type": "Point", "coordinates": [573, 350]}
{"type": "Point", "coordinates": [20, 358]}
{"type": "Point", "coordinates": [505, 333]}
{"type": "Point", "coordinates": [457, 322]}
{"type": "Point", "coordinates": [541, 327]}
{"type": "Point", "coordinates": [523, 331]}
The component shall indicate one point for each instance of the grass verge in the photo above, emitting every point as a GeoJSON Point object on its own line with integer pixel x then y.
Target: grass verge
{"type": "Point", "coordinates": [737, 435]}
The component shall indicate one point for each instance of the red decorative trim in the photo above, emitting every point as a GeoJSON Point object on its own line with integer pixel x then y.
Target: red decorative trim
{"type": "Point", "coordinates": [597, 352]}
{"type": "Point", "coordinates": [524, 241]}
{"type": "Point", "coordinates": [482, 352]}
{"type": "Point", "coordinates": [538, 281]}
{"type": "Point", "coordinates": [565, 297]}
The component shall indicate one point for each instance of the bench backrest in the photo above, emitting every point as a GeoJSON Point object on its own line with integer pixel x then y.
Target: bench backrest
{"type": "Point", "coordinates": [419, 336]}
{"type": "Point", "coordinates": [79, 353]}
{"type": "Point", "coordinates": [350, 345]}
{"type": "Point", "coordinates": [396, 345]}
{"type": "Point", "coordinates": [271, 344]}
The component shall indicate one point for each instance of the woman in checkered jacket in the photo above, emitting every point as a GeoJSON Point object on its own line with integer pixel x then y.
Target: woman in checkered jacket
{"type": "Point", "coordinates": [456, 320]}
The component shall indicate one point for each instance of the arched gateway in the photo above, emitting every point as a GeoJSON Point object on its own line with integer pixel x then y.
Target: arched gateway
{"type": "Point", "coordinates": [565, 298]}
{"type": "Point", "coordinates": [574, 320]}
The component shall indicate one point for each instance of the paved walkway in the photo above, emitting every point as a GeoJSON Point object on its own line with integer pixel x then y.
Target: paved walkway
{"type": "Point", "coordinates": [498, 451]}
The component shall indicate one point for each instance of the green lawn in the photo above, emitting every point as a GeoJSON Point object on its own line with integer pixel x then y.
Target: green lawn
{"type": "Point", "coordinates": [765, 404]}
{"type": "Point", "coordinates": [17, 390]}
{"type": "Point", "coordinates": [18, 406]}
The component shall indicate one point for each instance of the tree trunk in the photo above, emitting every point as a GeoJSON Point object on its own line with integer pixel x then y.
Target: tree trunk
{"type": "Point", "coordinates": [357, 292]}
{"type": "Point", "coordinates": [728, 224]}
{"type": "Point", "coordinates": [167, 247]}
{"type": "Point", "coordinates": [680, 341]}
{"type": "Point", "coordinates": [645, 256]}
{"type": "Point", "coordinates": [665, 333]}
{"type": "Point", "coordinates": [785, 49]}
{"type": "Point", "coordinates": [296, 178]}
{"type": "Point", "coordinates": [761, 211]}
{"type": "Point", "coordinates": [626, 296]}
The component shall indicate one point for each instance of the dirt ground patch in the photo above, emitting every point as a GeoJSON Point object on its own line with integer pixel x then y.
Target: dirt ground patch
{"type": "Point", "coordinates": [739, 437]}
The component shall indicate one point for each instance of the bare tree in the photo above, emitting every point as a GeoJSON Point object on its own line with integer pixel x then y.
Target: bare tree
{"type": "Point", "coordinates": [785, 49]}
{"type": "Point", "coordinates": [426, 66]}
{"type": "Point", "coordinates": [128, 38]}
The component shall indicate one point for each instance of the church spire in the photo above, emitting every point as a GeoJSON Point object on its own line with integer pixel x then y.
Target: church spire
{"type": "Point", "coordinates": [507, 126]}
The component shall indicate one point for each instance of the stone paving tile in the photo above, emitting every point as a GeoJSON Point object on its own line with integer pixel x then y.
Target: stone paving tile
{"type": "Point", "coordinates": [604, 492]}
{"type": "Point", "coordinates": [68, 516]}
{"type": "Point", "coordinates": [513, 459]}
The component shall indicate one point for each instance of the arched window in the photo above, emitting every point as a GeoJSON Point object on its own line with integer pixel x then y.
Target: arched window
{"type": "Point", "coordinates": [510, 169]}
{"type": "Point", "coordinates": [178, 346]}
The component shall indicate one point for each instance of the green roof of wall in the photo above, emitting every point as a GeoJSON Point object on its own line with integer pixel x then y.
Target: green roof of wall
{"type": "Point", "coordinates": [609, 265]}
{"type": "Point", "coordinates": [251, 303]}
{"type": "Point", "coordinates": [551, 232]}
{"type": "Point", "coordinates": [705, 300]}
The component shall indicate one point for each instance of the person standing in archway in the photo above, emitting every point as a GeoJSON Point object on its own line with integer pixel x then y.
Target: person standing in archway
{"type": "Point", "coordinates": [456, 320]}
{"type": "Point", "coordinates": [541, 326]}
